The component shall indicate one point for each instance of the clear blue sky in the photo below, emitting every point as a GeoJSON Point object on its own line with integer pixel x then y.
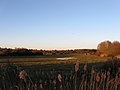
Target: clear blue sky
{"type": "Point", "coordinates": [58, 24]}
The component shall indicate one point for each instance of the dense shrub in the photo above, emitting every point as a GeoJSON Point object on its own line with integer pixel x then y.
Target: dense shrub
{"type": "Point", "coordinates": [109, 48]}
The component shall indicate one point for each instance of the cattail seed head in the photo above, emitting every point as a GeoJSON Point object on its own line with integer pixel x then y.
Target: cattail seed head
{"type": "Point", "coordinates": [108, 73]}
{"type": "Point", "coordinates": [22, 74]}
{"type": "Point", "coordinates": [41, 86]}
{"type": "Point", "coordinates": [92, 71]}
{"type": "Point", "coordinates": [85, 67]}
{"type": "Point", "coordinates": [97, 78]}
{"type": "Point", "coordinates": [77, 66]}
{"type": "Point", "coordinates": [54, 82]}
{"type": "Point", "coordinates": [59, 77]}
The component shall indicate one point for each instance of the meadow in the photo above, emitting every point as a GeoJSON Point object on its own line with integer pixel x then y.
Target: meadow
{"type": "Point", "coordinates": [59, 72]}
{"type": "Point", "coordinates": [51, 59]}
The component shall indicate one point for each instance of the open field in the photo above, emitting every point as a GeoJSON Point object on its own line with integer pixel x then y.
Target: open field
{"type": "Point", "coordinates": [90, 76]}
{"type": "Point", "coordinates": [41, 73]}
{"type": "Point", "coordinates": [52, 59]}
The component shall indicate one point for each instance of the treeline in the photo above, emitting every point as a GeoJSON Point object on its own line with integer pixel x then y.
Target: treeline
{"type": "Point", "coordinates": [33, 52]}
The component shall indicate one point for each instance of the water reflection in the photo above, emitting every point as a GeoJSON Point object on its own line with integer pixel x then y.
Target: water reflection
{"type": "Point", "coordinates": [66, 58]}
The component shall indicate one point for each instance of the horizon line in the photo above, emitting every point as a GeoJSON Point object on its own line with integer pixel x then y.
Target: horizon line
{"type": "Point", "coordinates": [46, 48]}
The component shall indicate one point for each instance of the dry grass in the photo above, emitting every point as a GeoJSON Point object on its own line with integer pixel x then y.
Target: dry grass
{"type": "Point", "coordinates": [36, 60]}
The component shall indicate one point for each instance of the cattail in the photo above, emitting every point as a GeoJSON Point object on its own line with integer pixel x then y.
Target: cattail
{"type": "Point", "coordinates": [66, 78]}
{"type": "Point", "coordinates": [54, 82]}
{"type": "Point", "coordinates": [22, 74]}
{"type": "Point", "coordinates": [97, 81]}
{"type": "Point", "coordinates": [104, 76]}
{"type": "Point", "coordinates": [108, 73]}
{"type": "Point", "coordinates": [92, 72]}
{"type": "Point", "coordinates": [28, 85]}
{"type": "Point", "coordinates": [66, 82]}
{"type": "Point", "coordinates": [92, 81]}
{"type": "Point", "coordinates": [54, 88]}
{"type": "Point", "coordinates": [77, 67]}
{"type": "Point", "coordinates": [97, 78]}
{"type": "Point", "coordinates": [82, 82]}
{"type": "Point", "coordinates": [116, 81]}
{"type": "Point", "coordinates": [35, 86]}
{"type": "Point", "coordinates": [108, 78]}
{"type": "Point", "coordinates": [59, 78]}
{"type": "Point", "coordinates": [85, 68]}
{"type": "Point", "coordinates": [41, 86]}
{"type": "Point", "coordinates": [76, 70]}
{"type": "Point", "coordinates": [61, 88]}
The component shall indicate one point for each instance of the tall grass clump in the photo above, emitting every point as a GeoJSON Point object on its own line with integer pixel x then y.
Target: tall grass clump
{"type": "Point", "coordinates": [84, 77]}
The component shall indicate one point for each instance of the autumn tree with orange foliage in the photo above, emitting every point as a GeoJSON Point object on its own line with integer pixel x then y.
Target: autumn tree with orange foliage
{"type": "Point", "coordinates": [109, 48]}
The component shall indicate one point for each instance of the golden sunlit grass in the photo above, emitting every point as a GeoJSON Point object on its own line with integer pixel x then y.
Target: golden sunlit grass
{"type": "Point", "coordinates": [36, 60]}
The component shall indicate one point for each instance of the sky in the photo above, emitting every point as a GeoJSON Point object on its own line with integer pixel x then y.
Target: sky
{"type": "Point", "coordinates": [58, 24]}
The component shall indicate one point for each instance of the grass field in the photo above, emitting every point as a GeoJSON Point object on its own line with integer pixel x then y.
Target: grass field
{"type": "Point", "coordinates": [41, 73]}
{"type": "Point", "coordinates": [53, 59]}
{"type": "Point", "coordinates": [50, 62]}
